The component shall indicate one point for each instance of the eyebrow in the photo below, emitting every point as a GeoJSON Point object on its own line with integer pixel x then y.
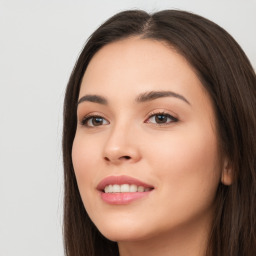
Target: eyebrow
{"type": "Point", "coordinates": [152, 95]}
{"type": "Point", "coordinates": [93, 98]}
{"type": "Point", "coordinates": [143, 97]}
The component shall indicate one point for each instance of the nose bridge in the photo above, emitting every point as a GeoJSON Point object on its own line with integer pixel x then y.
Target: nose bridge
{"type": "Point", "coordinates": [121, 144]}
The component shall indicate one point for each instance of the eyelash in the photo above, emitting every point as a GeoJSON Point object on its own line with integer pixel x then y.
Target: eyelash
{"type": "Point", "coordinates": [86, 119]}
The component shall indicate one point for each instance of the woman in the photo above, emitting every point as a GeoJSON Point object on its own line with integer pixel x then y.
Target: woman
{"type": "Point", "coordinates": [158, 142]}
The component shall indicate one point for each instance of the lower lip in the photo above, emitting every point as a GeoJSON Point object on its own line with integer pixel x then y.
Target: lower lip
{"type": "Point", "coordinates": [123, 198]}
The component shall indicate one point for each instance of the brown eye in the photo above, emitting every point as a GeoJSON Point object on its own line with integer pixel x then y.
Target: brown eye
{"type": "Point", "coordinates": [161, 118]}
{"type": "Point", "coordinates": [93, 121]}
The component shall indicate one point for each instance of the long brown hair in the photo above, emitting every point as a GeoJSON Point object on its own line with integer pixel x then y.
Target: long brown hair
{"type": "Point", "coordinates": [230, 80]}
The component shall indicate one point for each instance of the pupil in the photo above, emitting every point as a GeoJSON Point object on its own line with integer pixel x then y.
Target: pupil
{"type": "Point", "coordinates": [97, 121]}
{"type": "Point", "coordinates": [161, 118]}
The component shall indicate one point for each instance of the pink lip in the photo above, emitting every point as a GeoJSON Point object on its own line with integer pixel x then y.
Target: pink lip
{"type": "Point", "coordinates": [122, 198]}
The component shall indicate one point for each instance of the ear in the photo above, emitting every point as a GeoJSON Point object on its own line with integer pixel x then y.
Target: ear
{"type": "Point", "coordinates": [227, 174]}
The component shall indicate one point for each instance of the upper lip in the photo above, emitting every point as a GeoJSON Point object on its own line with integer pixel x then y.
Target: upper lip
{"type": "Point", "coordinates": [119, 180]}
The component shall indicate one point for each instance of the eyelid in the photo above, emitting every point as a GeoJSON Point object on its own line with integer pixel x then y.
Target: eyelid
{"type": "Point", "coordinates": [162, 111]}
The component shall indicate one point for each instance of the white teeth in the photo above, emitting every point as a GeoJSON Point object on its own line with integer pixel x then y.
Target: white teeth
{"type": "Point", "coordinates": [110, 188]}
{"type": "Point", "coordinates": [124, 188]}
{"type": "Point", "coordinates": [133, 188]}
{"type": "Point", "coordinates": [116, 189]}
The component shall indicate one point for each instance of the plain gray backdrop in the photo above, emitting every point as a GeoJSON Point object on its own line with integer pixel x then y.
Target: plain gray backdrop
{"type": "Point", "coordinates": [39, 44]}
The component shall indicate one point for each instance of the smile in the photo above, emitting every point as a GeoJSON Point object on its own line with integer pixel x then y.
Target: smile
{"type": "Point", "coordinates": [125, 188]}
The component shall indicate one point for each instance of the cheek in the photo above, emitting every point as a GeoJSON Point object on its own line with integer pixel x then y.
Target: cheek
{"type": "Point", "coordinates": [84, 159]}
{"type": "Point", "coordinates": [188, 172]}
{"type": "Point", "coordinates": [188, 162]}
{"type": "Point", "coordinates": [84, 154]}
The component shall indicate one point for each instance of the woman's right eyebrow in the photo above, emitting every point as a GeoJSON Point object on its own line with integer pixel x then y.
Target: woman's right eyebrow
{"type": "Point", "coordinates": [93, 98]}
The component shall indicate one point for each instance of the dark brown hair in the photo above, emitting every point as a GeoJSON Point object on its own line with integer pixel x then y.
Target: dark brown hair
{"type": "Point", "coordinates": [227, 75]}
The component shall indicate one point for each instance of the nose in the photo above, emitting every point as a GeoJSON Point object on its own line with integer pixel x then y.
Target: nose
{"type": "Point", "coordinates": [121, 147]}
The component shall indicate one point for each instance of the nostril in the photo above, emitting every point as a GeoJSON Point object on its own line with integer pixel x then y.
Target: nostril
{"type": "Point", "coordinates": [109, 159]}
{"type": "Point", "coordinates": [125, 157]}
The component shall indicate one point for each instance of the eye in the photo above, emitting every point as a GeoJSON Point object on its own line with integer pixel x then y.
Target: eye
{"type": "Point", "coordinates": [161, 119]}
{"type": "Point", "coordinates": [92, 121]}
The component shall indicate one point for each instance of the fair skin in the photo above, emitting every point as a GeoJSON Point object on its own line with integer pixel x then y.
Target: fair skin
{"type": "Point", "coordinates": [168, 142]}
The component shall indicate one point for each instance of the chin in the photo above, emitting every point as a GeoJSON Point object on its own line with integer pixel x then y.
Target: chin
{"type": "Point", "coordinates": [119, 233]}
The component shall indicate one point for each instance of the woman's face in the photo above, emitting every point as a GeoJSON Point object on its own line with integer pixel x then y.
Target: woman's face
{"type": "Point", "coordinates": [146, 134]}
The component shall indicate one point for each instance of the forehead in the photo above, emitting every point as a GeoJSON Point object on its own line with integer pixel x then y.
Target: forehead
{"type": "Point", "coordinates": [138, 65]}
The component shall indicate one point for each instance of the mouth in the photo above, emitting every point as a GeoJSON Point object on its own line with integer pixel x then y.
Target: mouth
{"type": "Point", "coordinates": [125, 188]}
{"type": "Point", "coordinates": [122, 189]}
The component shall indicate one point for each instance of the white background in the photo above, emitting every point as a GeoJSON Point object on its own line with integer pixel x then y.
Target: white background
{"type": "Point", "coordinates": [39, 44]}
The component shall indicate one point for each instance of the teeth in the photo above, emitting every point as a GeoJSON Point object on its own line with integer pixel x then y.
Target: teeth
{"type": "Point", "coordinates": [140, 189]}
{"type": "Point", "coordinates": [116, 189]}
{"type": "Point", "coordinates": [124, 188]}
{"type": "Point", "coordinates": [133, 188]}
